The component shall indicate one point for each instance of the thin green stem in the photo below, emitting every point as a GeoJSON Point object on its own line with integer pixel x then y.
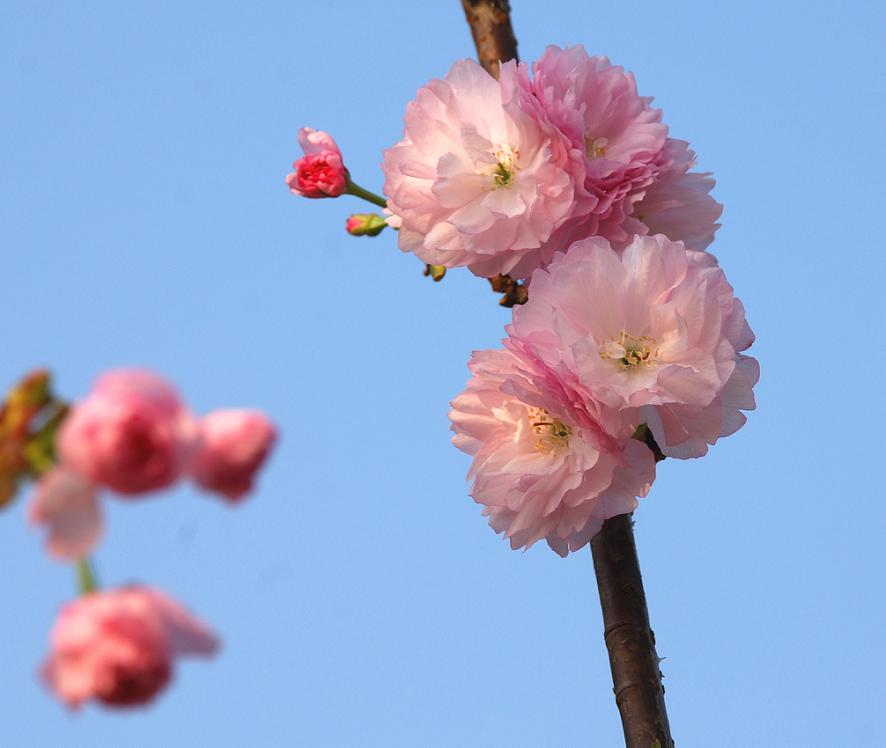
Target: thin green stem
{"type": "Point", "coordinates": [357, 191]}
{"type": "Point", "coordinates": [86, 581]}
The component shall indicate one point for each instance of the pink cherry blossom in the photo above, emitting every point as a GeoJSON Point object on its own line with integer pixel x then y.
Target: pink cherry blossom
{"type": "Point", "coordinates": [67, 504]}
{"type": "Point", "coordinates": [118, 647]}
{"type": "Point", "coordinates": [543, 465]}
{"type": "Point", "coordinates": [321, 171]}
{"type": "Point", "coordinates": [232, 445]}
{"type": "Point", "coordinates": [678, 203]}
{"type": "Point", "coordinates": [654, 334]}
{"type": "Point", "coordinates": [481, 177]}
{"type": "Point", "coordinates": [131, 434]}
{"type": "Point", "coordinates": [613, 132]}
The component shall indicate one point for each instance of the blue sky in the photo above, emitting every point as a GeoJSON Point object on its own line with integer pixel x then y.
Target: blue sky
{"type": "Point", "coordinates": [361, 598]}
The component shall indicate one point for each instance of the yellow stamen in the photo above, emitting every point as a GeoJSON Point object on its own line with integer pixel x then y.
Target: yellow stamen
{"type": "Point", "coordinates": [595, 147]}
{"type": "Point", "coordinates": [551, 433]}
{"type": "Point", "coordinates": [631, 351]}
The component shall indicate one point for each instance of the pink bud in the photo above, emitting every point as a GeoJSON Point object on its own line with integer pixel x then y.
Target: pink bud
{"type": "Point", "coordinates": [232, 445]}
{"type": "Point", "coordinates": [130, 434]}
{"type": "Point", "coordinates": [321, 171]}
{"type": "Point", "coordinates": [365, 224]}
{"type": "Point", "coordinates": [67, 504]}
{"type": "Point", "coordinates": [119, 646]}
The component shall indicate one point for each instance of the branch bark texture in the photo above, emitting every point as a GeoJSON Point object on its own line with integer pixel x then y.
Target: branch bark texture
{"type": "Point", "coordinates": [629, 639]}
{"type": "Point", "coordinates": [490, 22]}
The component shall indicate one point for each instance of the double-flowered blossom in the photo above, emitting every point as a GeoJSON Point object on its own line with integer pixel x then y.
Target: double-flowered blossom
{"type": "Point", "coordinates": [678, 203]}
{"type": "Point", "coordinates": [608, 341]}
{"type": "Point", "coordinates": [481, 178]}
{"type": "Point", "coordinates": [321, 171]}
{"type": "Point", "coordinates": [231, 447]}
{"type": "Point", "coordinates": [654, 334]}
{"type": "Point", "coordinates": [131, 434]}
{"type": "Point", "coordinates": [118, 647]}
{"type": "Point", "coordinates": [502, 175]}
{"type": "Point", "coordinates": [544, 466]}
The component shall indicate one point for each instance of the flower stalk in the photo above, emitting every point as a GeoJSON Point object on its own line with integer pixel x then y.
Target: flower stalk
{"type": "Point", "coordinates": [86, 581]}
{"type": "Point", "coordinates": [357, 191]}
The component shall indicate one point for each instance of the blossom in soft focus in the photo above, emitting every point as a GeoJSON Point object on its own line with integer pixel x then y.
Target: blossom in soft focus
{"type": "Point", "coordinates": [131, 434]}
{"type": "Point", "coordinates": [231, 447]}
{"type": "Point", "coordinates": [543, 465]}
{"type": "Point", "coordinates": [68, 505]}
{"type": "Point", "coordinates": [118, 647]}
{"type": "Point", "coordinates": [481, 177]}
{"type": "Point", "coordinates": [678, 203]}
{"type": "Point", "coordinates": [321, 171]}
{"type": "Point", "coordinates": [365, 224]}
{"type": "Point", "coordinates": [654, 334]}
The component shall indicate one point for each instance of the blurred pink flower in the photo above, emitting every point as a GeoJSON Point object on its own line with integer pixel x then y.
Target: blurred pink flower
{"type": "Point", "coordinates": [118, 646]}
{"type": "Point", "coordinates": [481, 177]}
{"type": "Point", "coordinates": [543, 465]}
{"type": "Point", "coordinates": [67, 504]}
{"type": "Point", "coordinates": [321, 171]}
{"type": "Point", "coordinates": [231, 447]}
{"type": "Point", "coordinates": [654, 334]}
{"type": "Point", "coordinates": [131, 434]}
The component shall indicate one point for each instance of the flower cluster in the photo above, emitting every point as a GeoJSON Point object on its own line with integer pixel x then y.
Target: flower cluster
{"type": "Point", "coordinates": [629, 346]}
{"type": "Point", "coordinates": [500, 175]}
{"type": "Point", "coordinates": [131, 436]}
{"type": "Point", "coordinates": [609, 345]}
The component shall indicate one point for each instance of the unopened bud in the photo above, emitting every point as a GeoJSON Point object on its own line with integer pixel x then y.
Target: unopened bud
{"type": "Point", "coordinates": [321, 171]}
{"type": "Point", "coordinates": [365, 224]}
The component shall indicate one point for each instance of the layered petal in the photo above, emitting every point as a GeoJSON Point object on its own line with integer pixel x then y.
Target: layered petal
{"type": "Point", "coordinates": [654, 334]}
{"type": "Point", "coordinates": [232, 446]}
{"type": "Point", "coordinates": [118, 646]}
{"type": "Point", "coordinates": [131, 434]}
{"type": "Point", "coordinates": [481, 177]}
{"type": "Point", "coordinates": [543, 465]}
{"type": "Point", "coordinates": [67, 504]}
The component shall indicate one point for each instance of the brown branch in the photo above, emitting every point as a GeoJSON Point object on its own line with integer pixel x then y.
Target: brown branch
{"type": "Point", "coordinates": [490, 22]}
{"type": "Point", "coordinates": [629, 639]}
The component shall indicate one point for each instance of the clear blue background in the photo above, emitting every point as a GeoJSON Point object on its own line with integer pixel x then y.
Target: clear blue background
{"type": "Point", "coordinates": [361, 598]}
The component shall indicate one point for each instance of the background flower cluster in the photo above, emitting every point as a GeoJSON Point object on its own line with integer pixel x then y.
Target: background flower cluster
{"type": "Point", "coordinates": [129, 438]}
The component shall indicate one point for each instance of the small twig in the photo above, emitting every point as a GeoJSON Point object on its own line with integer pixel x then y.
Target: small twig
{"type": "Point", "coordinates": [490, 22]}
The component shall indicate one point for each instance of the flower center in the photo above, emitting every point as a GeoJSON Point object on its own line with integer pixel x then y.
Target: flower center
{"type": "Point", "coordinates": [503, 172]}
{"type": "Point", "coordinates": [595, 147]}
{"type": "Point", "coordinates": [551, 434]}
{"type": "Point", "coordinates": [630, 351]}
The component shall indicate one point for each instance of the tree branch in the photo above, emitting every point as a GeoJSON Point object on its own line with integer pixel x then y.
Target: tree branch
{"type": "Point", "coordinates": [490, 22]}
{"type": "Point", "coordinates": [629, 639]}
